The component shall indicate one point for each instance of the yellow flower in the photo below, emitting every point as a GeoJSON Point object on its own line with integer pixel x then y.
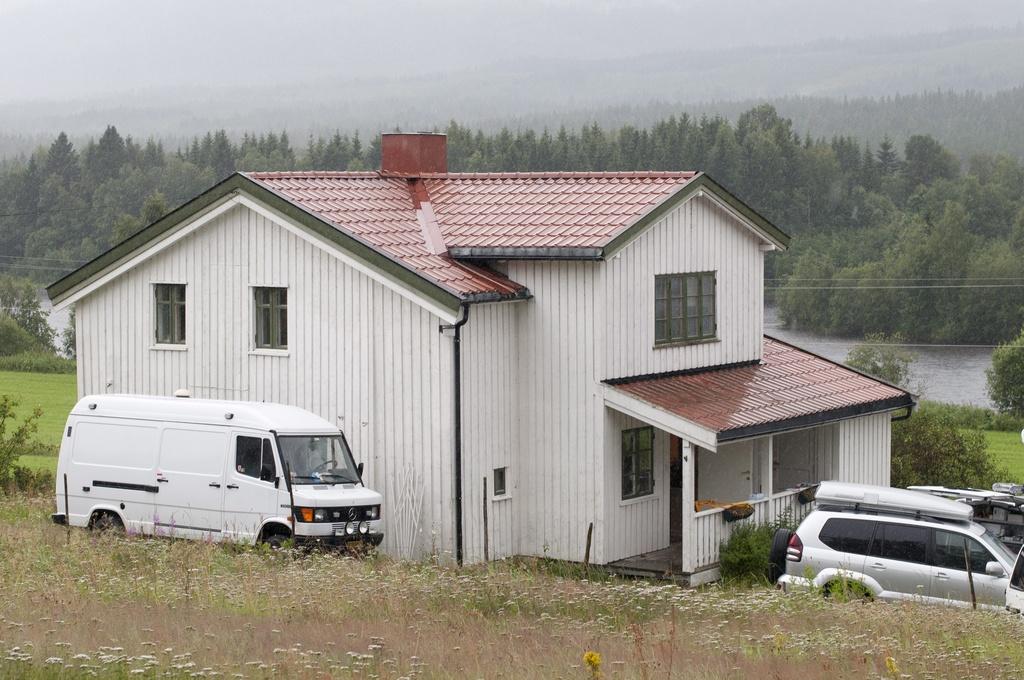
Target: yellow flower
{"type": "Point", "coordinates": [890, 664]}
{"type": "Point", "coordinates": [593, 661]}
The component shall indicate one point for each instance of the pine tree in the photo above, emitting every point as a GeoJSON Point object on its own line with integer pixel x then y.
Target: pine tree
{"type": "Point", "coordinates": [888, 161]}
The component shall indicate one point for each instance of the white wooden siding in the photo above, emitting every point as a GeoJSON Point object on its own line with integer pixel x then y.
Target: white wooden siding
{"type": "Point", "coordinates": [865, 450]}
{"type": "Point", "coordinates": [559, 473]}
{"type": "Point", "coordinates": [637, 525]}
{"type": "Point", "coordinates": [491, 429]}
{"type": "Point", "coordinates": [359, 354]}
{"type": "Point", "coordinates": [697, 236]}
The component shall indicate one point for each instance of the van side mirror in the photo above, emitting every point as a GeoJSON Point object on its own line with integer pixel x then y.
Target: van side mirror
{"type": "Point", "coordinates": [359, 470]}
{"type": "Point", "coordinates": [995, 569]}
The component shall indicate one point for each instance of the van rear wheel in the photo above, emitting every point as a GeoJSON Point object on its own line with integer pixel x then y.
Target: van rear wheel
{"type": "Point", "coordinates": [106, 522]}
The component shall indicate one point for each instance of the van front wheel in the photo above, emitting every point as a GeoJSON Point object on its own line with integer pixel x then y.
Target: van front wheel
{"type": "Point", "coordinates": [275, 540]}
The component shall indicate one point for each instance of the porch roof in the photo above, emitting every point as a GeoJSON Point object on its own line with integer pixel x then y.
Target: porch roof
{"type": "Point", "coordinates": [788, 389]}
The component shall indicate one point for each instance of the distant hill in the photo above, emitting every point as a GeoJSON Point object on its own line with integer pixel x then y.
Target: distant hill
{"type": "Point", "coordinates": [972, 80]}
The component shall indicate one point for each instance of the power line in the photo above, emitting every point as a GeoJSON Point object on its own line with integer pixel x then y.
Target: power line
{"type": "Point", "coordinates": [914, 287]}
{"type": "Point", "coordinates": [40, 260]}
{"type": "Point", "coordinates": [29, 213]}
{"type": "Point", "coordinates": [919, 278]}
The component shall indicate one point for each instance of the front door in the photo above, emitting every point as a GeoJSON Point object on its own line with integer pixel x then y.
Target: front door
{"type": "Point", "coordinates": [252, 492]}
{"type": "Point", "coordinates": [190, 476]}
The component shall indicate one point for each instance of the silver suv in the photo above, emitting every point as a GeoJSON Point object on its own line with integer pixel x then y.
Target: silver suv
{"type": "Point", "coordinates": [895, 544]}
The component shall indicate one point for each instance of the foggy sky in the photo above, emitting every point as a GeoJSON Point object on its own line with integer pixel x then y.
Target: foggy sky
{"type": "Point", "coordinates": [59, 51]}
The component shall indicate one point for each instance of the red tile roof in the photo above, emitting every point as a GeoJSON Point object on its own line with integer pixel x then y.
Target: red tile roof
{"type": "Point", "coordinates": [477, 210]}
{"type": "Point", "coordinates": [380, 211]}
{"type": "Point", "coordinates": [545, 210]}
{"type": "Point", "coordinates": [788, 388]}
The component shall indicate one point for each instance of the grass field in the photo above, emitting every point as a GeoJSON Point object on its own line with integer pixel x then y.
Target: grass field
{"type": "Point", "coordinates": [1008, 450]}
{"type": "Point", "coordinates": [78, 604]}
{"type": "Point", "coordinates": [55, 393]}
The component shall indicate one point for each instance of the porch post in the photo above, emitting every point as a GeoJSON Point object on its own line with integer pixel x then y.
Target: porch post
{"type": "Point", "coordinates": [770, 481]}
{"type": "Point", "coordinates": [689, 533]}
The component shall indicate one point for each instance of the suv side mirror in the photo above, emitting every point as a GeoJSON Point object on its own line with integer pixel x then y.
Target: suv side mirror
{"type": "Point", "coordinates": [995, 569]}
{"type": "Point", "coordinates": [359, 470]}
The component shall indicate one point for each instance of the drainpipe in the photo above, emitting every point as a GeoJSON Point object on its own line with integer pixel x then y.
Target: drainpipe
{"type": "Point", "coordinates": [457, 390]}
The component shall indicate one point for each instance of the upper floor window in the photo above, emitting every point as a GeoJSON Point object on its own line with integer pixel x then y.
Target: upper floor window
{"type": "Point", "coordinates": [684, 307]}
{"type": "Point", "coordinates": [170, 313]}
{"type": "Point", "coordinates": [271, 318]}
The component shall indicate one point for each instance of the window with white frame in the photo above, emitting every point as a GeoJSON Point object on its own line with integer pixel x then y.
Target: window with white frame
{"type": "Point", "coordinates": [500, 482]}
{"type": "Point", "coordinates": [637, 462]}
{"type": "Point", "coordinates": [271, 317]}
{"type": "Point", "coordinates": [170, 313]}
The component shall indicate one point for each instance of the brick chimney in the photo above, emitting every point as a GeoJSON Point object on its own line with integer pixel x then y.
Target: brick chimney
{"type": "Point", "coordinates": [411, 154]}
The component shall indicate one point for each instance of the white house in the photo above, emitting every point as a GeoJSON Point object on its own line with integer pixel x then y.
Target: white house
{"type": "Point", "coordinates": [586, 349]}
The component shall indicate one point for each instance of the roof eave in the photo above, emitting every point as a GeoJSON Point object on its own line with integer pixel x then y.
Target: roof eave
{"type": "Point", "coordinates": [701, 182]}
{"type": "Point", "coordinates": [239, 182]}
{"type": "Point", "coordinates": [896, 403]}
{"type": "Point", "coordinates": [478, 253]}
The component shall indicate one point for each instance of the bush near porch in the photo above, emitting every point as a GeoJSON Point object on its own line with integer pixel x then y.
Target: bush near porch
{"type": "Point", "coordinates": [743, 557]}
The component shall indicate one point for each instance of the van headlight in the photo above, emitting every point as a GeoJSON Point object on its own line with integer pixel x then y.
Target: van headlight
{"type": "Point", "coordinates": [319, 515]}
{"type": "Point", "coordinates": [350, 528]}
{"type": "Point", "coordinates": [364, 527]}
{"type": "Point", "coordinates": [373, 512]}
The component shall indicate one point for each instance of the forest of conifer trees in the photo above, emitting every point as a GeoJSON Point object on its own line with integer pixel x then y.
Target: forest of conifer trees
{"type": "Point", "coordinates": [876, 228]}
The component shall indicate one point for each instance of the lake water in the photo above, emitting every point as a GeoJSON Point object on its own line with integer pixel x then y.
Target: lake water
{"type": "Point", "coordinates": [954, 375]}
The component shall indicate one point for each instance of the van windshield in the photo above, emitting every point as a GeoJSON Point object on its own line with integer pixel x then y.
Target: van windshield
{"type": "Point", "coordinates": [318, 459]}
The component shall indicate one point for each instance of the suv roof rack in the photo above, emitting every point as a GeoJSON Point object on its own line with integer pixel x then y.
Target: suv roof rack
{"type": "Point", "coordinates": [884, 499]}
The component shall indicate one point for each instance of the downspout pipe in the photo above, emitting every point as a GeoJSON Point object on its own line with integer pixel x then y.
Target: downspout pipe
{"type": "Point", "coordinates": [456, 328]}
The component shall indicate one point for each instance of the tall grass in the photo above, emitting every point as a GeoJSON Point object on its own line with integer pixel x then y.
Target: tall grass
{"type": "Point", "coordinates": [76, 603]}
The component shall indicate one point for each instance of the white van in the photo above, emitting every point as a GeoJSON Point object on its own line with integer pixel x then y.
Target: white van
{"type": "Point", "coordinates": [215, 470]}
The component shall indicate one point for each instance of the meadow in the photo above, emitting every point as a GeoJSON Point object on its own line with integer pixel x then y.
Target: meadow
{"type": "Point", "coordinates": [1008, 450]}
{"type": "Point", "coordinates": [55, 393]}
{"type": "Point", "coordinates": [78, 604]}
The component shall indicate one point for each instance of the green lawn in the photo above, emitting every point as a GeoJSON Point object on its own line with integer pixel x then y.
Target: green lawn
{"type": "Point", "coordinates": [1007, 449]}
{"type": "Point", "coordinates": [54, 393]}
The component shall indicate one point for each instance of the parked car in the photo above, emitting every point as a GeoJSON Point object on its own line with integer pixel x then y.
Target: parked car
{"type": "Point", "coordinates": [210, 469]}
{"type": "Point", "coordinates": [893, 544]}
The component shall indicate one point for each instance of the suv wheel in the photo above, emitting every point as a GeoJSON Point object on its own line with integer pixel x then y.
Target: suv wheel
{"type": "Point", "coordinates": [777, 555]}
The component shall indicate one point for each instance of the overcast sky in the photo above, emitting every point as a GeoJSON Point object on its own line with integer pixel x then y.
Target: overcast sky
{"type": "Point", "coordinates": [78, 49]}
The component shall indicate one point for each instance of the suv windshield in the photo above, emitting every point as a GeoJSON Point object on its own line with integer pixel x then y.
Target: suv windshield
{"type": "Point", "coordinates": [318, 459]}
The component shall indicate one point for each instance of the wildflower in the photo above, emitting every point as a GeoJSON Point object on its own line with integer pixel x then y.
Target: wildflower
{"type": "Point", "coordinates": [890, 665]}
{"type": "Point", "coordinates": [593, 661]}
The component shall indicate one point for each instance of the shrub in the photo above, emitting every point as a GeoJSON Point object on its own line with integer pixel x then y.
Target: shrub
{"type": "Point", "coordinates": [31, 482]}
{"type": "Point", "coordinates": [19, 299]}
{"type": "Point", "coordinates": [14, 442]}
{"type": "Point", "coordinates": [37, 362]}
{"type": "Point", "coordinates": [1006, 376]}
{"type": "Point", "coordinates": [930, 448]}
{"type": "Point", "coordinates": [882, 356]}
{"type": "Point", "coordinates": [743, 557]}
{"type": "Point", "coordinates": [973, 417]}
{"type": "Point", "coordinates": [13, 338]}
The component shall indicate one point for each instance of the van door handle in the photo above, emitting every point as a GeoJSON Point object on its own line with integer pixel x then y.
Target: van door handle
{"type": "Point", "coordinates": [216, 485]}
{"type": "Point", "coordinates": [942, 575]}
{"type": "Point", "coordinates": [232, 486]}
{"type": "Point", "coordinates": [878, 565]}
{"type": "Point", "coordinates": [161, 479]}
